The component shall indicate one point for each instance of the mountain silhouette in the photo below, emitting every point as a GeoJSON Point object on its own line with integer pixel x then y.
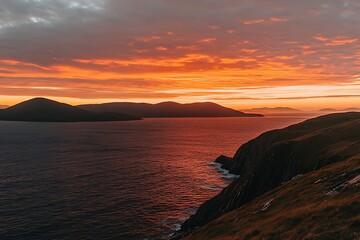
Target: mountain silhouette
{"type": "Point", "coordinates": [275, 110]}
{"type": "Point", "coordinates": [46, 110]}
{"type": "Point", "coordinates": [169, 109]}
{"type": "Point", "coordinates": [350, 109]}
{"type": "Point", "coordinates": [328, 110]}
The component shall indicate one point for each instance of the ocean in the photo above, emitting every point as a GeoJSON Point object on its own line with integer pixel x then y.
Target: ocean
{"type": "Point", "coordinates": [114, 180]}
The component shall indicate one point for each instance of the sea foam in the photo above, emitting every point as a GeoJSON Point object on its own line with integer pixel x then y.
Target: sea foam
{"type": "Point", "coordinates": [225, 173]}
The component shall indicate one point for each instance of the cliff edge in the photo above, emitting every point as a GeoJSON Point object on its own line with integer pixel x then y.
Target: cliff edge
{"type": "Point", "coordinates": [277, 156]}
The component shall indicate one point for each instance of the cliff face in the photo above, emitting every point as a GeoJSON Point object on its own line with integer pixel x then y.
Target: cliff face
{"type": "Point", "coordinates": [278, 156]}
{"type": "Point", "coordinates": [322, 204]}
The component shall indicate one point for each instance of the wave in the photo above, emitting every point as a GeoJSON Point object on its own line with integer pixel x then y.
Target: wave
{"type": "Point", "coordinates": [213, 187]}
{"type": "Point", "coordinates": [225, 173]}
{"type": "Point", "coordinates": [177, 226]}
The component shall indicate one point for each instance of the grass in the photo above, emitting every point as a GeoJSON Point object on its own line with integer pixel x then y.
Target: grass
{"type": "Point", "coordinates": [304, 208]}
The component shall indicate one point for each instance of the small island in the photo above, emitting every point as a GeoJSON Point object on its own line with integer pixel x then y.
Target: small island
{"type": "Point", "coordinates": [46, 110]}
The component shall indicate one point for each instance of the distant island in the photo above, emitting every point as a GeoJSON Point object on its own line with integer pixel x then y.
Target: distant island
{"type": "Point", "coordinates": [351, 109]}
{"type": "Point", "coordinates": [275, 110]}
{"type": "Point", "coordinates": [168, 109]}
{"type": "Point", "coordinates": [330, 110]}
{"type": "Point", "coordinates": [299, 182]}
{"type": "Point", "coordinates": [46, 110]}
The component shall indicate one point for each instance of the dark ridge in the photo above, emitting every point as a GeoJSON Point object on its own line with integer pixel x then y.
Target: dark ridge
{"type": "Point", "coordinates": [168, 109]}
{"type": "Point", "coordinates": [279, 155]}
{"type": "Point", "coordinates": [46, 110]}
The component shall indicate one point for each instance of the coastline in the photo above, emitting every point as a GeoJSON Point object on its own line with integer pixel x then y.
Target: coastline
{"type": "Point", "coordinates": [224, 174]}
{"type": "Point", "coordinates": [258, 157]}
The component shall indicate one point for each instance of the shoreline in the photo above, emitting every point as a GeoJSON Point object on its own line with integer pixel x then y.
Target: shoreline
{"type": "Point", "coordinates": [258, 157]}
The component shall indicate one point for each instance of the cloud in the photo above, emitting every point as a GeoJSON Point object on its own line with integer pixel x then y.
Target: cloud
{"type": "Point", "coordinates": [254, 21]}
{"type": "Point", "coordinates": [131, 45]}
{"type": "Point", "coordinates": [337, 40]}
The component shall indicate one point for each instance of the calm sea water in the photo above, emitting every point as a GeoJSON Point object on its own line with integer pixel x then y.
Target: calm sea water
{"type": "Point", "coordinates": [116, 180]}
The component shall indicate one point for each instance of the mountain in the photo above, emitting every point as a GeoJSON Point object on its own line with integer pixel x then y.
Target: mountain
{"type": "Point", "coordinates": [277, 157]}
{"type": "Point", "coordinates": [352, 109]}
{"type": "Point", "coordinates": [333, 110]}
{"type": "Point", "coordinates": [328, 110]}
{"type": "Point", "coordinates": [45, 110]}
{"type": "Point", "coordinates": [168, 109]}
{"type": "Point", "coordinates": [275, 111]}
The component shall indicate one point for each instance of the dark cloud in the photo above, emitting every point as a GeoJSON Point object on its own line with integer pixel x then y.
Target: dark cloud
{"type": "Point", "coordinates": [46, 31]}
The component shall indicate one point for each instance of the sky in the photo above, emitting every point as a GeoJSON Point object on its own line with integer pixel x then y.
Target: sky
{"type": "Point", "coordinates": [239, 53]}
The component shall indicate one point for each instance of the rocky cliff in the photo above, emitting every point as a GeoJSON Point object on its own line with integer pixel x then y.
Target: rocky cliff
{"type": "Point", "coordinates": [322, 204]}
{"type": "Point", "coordinates": [278, 156]}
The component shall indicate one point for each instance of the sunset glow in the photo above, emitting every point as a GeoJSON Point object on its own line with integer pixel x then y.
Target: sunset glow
{"type": "Point", "coordinates": [242, 54]}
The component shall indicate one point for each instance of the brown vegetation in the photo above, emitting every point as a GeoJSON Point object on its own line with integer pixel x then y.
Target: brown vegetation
{"type": "Point", "coordinates": [323, 204]}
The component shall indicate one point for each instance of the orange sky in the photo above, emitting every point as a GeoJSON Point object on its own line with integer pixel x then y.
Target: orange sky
{"type": "Point", "coordinates": [240, 54]}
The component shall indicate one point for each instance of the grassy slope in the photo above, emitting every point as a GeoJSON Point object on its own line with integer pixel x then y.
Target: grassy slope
{"type": "Point", "coordinates": [304, 208]}
{"type": "Point", "coordinates": [277, 156]}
